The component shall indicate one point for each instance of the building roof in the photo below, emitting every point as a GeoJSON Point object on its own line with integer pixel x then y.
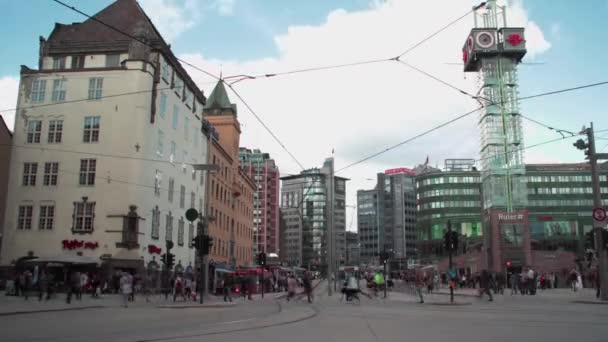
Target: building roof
{"type": "Point", "coordinates": [92, 35]}
{"type": "Point", "coordinates": [219, 99]}
{"type": "Point", "coordinates": [4, 126]}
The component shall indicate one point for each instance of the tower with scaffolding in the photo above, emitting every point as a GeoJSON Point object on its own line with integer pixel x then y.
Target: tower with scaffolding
{"type": "Point", "coordinates": [494, 50]}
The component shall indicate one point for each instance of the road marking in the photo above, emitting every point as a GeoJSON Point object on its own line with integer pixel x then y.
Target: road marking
{"type": "Point", "coordinates": [231, 322]}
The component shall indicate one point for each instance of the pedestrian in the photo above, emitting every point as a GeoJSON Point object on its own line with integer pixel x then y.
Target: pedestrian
{"type": "Point", "coordinates": [84, 280]}
{"type": "Point", "coordinates": [351, 288]}
{"type": "Point", "coordinates": [485, 280]}
{"type": "Point", "coordinates": [292, 284]}
{"type": "Point", "coordinates": [126, 287]}
{"type": "Point", "coordinates": [27, 283]}
{"type": "Point", "coordinates": [419, 284]}
{"type": "Point", "coordinates": [308, 286]}
{"type": "Point", "coordinates": [72, 286]}
{"type": "Point", "coordinates": [514, 282]}
{"type": "Point", "coordinates": [147, 287]}
{"type": "Point", "coordinates": [226, 286]}
{"type": "Point", "coordinates": [42, 285]}
{"type": "Point", "coordinates": [179, 288]}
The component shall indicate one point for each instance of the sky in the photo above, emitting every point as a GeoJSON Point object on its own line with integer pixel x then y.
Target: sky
{"type": "Point", "coordinates": [359, 110]}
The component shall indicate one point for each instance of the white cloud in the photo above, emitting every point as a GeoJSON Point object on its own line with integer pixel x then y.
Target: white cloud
{"type": "Point", "coordinates": [361, 110]}
{"type": "Point", "coordinates": [535, 38]}
{"type": "Point", "coordinates": [172, 17]}
{"type": "Point", "coordinates": [9, 87]}
{"type": "Point", "coordinates": [224, 7]}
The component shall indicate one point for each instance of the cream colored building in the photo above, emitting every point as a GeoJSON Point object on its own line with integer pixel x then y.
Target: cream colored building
{"type": "Point", "coordinates": [105, 137]}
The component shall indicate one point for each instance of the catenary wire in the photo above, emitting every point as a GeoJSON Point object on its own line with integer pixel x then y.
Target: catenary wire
{"type": "Point", "coordinates": [469, 113]}
{"type": "Point", "coordinates": [265, 126]}
{"type": "Point", "coordinates": [478, 98]}
{"type": "Point", "coordinates": [130, 36]}
{"type": "Point", "coordinates": [336, 66]}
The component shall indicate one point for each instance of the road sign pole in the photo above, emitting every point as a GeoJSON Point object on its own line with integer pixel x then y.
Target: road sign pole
{"type": "Point", "coordinates": [598, 226]}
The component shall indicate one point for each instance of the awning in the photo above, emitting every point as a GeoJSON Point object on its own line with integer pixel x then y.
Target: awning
{"type": "Point", "coordinates": [65, 259]}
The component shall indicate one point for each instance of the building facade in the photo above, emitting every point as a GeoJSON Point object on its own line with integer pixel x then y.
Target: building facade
{"type": "Point", "coordinates": [265, 174]}
{"type": "Point", "coordinates": [559, 210]}
{"type": "Point", "coordinates": [82, 187]}
{"type": "Point", "coordinates": [352, 249]}
{"type": "Point", "coordinates": [304, 205]}
{"type": "Point", "coordinates": [6, 138]}
{"type": "Point", "coordinates": [231, 195]}
{"type": "Point", "coordinates": [387, 216]}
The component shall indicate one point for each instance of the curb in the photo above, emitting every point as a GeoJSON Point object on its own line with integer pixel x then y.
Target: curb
{"type": "Point", "coordinates": [589, 302]}
{"type": "Point", "coordinates": [50, 310]}
{"type": "Point", "coordinates": [199, 306]}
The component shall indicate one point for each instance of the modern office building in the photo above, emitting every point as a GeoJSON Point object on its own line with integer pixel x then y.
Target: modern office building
{"type": "Point", "coordinates": [304, 206]}
{"type": "Point", "coordinates": [559, 200]}
{"type": "Point", "coordinates": [265, 174]}
{"type": "Point", "coordinates": [386, 216]}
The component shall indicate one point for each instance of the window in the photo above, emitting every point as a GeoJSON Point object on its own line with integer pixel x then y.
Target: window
{"type": "Point", "coordinates": [59, 62]}
{"type": "Point", "coordinates": [190, 235]}
{"type": "Point", "coordinates": [182, 196]}
{"type": "Point", "coordinates": [50, 173]}
{"type": "Point", "coordinates": [180, 231]}
{"type": "Point", "coordinates": [158, 177]}
{"type": "Point", "coordinates": [169, 228]}
{"type": "Point", "coordinates": [187, 128]}
{"type": "Point", "coordinates": [29, 174]}
{"type": "Point", "coordinates": [78, 62]}
{"type": "Point", "coordinates": [112, 61]}
{"type": "Point", "coordinates": [38, 91]}
{"type": "Point", "coordinates": [47, 217]}
{"type": "Point", "coordinates": [95, 88]}
{"type": "Point", "coordinates": [173, 149]}
{"type": "Point", "coordinates": [160, 145]}
{"type": "Point", "coordinates": [55, 131]}
{"type": "Point", "coordinates": [165, 71]}
{"type": "Point", "coordinates": [155, 233]}
{"type": "Point", "coordinates": [192, 199]}
{"type": "Point", "coordinates": [84, 215]}
{"type": "Point", "coordinates": [91, 129]}
{"type": "Point", "coordinates": [58, 94]}
{"type": "Point", "coordinates": [175, 116]}
{"type": "Point", "coordinates": [87, 171]}
{"type": "Point", "coordinates": [171, 189]}
{"type": "Point", "coordinates": [162, 105]}
{"type": "Point", "coordinates": [179, 86]}
{"type": "Point", "coordinates": [34, 129]}
{"type": "Point", "coordinates": [188, 97]}
{"type": "Point", "coordinates": [196, 137]}
{"type": "Point", "coordinates": [24, 217]}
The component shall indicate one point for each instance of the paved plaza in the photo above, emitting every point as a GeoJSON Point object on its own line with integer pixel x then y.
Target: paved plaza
{"type": "Point", "coordinates": [552, 315]}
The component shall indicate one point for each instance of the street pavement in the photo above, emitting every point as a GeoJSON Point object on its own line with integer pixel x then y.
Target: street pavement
{"type": "Point", "coordinates": [552, 315]}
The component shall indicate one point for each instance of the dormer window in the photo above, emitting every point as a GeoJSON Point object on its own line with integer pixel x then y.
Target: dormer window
{"type": "Point", "coordinates": [78, 62]}
{"type": "Point", "coordinates": [113, 61]}
{"type": "Point", "coordinates": [59, 62]}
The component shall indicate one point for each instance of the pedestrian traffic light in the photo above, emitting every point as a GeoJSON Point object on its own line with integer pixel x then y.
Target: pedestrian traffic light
{"type": "Point", "coordinates": [163, 259]}
{"type": "Point", "coordinates": [589, 240]}
{"type": "Point", "coordinates": [384, 257]}
{"type": "Point", "coordinates": [261, 259]}
{"type": "Point", "coordinates": [197, 243]}
{"type": "Point", "coordinates": [509, 264]}
{"type": "Point", "coordinates": [451, 241]}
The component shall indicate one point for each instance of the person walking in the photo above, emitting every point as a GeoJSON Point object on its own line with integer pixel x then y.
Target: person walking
{"type": "Point", "coordinates": [419, 284]}
{"type": "Point", "coordinates": [126, 287]}
{"type": "Point", "coordinates": [308, 286]}
{"type": "Point", "coordinates": [485, 280]}
{"type": "Point", "coordinates": [73, 285]}
{"type": "Point", "coordinates": [84, 279]}
{"type": "Point", "coordinates": [179, 288]}
{"type": "Point", "coordinates": [42, 285]}
{"type": "Point", "coordinates": [226, 287]}
{"type": "Point", "coordinates": [514, 282]}
{"type": "Point", "coordinates": [292, 284]}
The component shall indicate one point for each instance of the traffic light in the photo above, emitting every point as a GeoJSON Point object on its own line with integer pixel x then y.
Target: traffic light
{"type": "Point", "coordinates": [384, 257]}
{"type": "Point", "coordinates": [582, 145]}
{"type": "Point", "coordinates": [170, 261]}
{"type": "Point", "coordinates": [590, 240]}
{"type": "Point", "coordinates": [163, 259]}
{"type": "Point", "coordinates": [197, 243]}
{"type": "Point", "coordinates": [451, 241]}
{"type": "Point", "coordinates": [207, 243]}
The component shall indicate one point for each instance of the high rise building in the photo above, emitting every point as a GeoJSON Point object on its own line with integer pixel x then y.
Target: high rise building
{"type": "Point", "coordinates": [304, 206]}
{"type": "Point", "coordinates": [493, 50]}
{"type": "Point", "coordinates": [387, 216]}
{"type": "Point", "coordinates": [118, 196]}
{"type": "Point", "coordinates": [232, 191]}
{"type": "Point", "coordinates": [265, 174]}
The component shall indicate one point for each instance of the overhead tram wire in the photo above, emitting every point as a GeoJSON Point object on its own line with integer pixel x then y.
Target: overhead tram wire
{"type": "Point", "coordinates": [131, 36]}
{"type": "Point", "coordinates": [240, 78]}
{"type": "Point", "coordinates": [265, 126]}
{"type": "Point", "coordinates": [479, 98]}
{"type": "Point", "coordinates": [529, 147]}
{"type": "Point", "coordinates": [469, 113]}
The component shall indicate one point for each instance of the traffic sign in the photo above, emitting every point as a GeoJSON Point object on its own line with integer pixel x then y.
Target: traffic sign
{"type": "Point", "coordinates": [599, 214]}
{"type": "Point", "coordinates": [191, 214]}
